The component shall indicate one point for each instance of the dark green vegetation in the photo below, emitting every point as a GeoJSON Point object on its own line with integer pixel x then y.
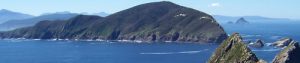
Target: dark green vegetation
{"type": "Point", "coordinates": [233, 50]}
{"type": "Point", "coordinates": [157, 21]}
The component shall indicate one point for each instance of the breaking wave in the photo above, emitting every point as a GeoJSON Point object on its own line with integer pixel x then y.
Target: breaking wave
{"type": "Point", "coordinates": [183, 52]}
{"type": "Point", "coordinates": [268, 50]}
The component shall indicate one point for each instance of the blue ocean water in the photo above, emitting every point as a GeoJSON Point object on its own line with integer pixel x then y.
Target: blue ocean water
{"type": "Point", "coordinates": [267, 32]}
{"type": "Point", "coordinates": [45, 51]}
{"type": "Point", "coordinates": [42, 51]}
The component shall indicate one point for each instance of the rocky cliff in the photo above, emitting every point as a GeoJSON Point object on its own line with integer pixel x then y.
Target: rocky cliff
{"type": "Point", "coordinates": [157, 21]}
{"type": "Point", "coordinates": [290, 54]}
{"type": "Point", "coordinates": [282, 42]}
{"type": "Point", "coordinates": [233, 50]}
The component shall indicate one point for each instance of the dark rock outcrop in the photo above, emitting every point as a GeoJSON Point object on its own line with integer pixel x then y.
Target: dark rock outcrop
{"type": "Point", "coordinates": [157, 21]}
{"type": "Point", "coordinates": [258, 44]}
{"type": "Point", "coordinates": [290, 54]}
{"type": "Point", "coordinates": [282, 42]}
{"type": "Point", "coordinates": [242, 21]}
{"type": "Point", "coordinates": [233, 50]}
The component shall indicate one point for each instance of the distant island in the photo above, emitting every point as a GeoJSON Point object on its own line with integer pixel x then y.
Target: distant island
{"type": "Point", "coordinates": [239, 21]}
{"type": "Point", "coordinates": [157, 21]}
{"type": "Point", "coordinates": [6, 15]}
{"type": "Point", "coordinates": [20, 23]}
{"type": "Point", "coordinates": [242, 21]}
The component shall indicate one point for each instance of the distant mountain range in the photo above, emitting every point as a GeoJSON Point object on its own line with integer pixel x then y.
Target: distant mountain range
{"type": "Point", "coordinates": [157, 21]}
{"type": "Point", "coordinates": [10, 20]}
{"type": "Point", "coordinates": [6, 15]}
{"type": "Point", "coordinates": [13, 24]}
{"type": "Point", "coordinates": [252, 19]}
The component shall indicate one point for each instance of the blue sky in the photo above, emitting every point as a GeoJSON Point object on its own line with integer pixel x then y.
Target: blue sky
{"type": "Point", "coordinates": [267, 8]}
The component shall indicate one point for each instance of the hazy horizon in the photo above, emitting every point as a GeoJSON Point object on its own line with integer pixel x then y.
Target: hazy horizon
{"type": "Point", "coordinates": [266, 8]}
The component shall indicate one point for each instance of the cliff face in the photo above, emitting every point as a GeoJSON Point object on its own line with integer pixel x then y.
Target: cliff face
{"type": "Point", "coordinates": [157, 21]}
{"type": "Point", "coordinates": [290, 54]}
{"type": "Point", "coordinates": [233, 50]}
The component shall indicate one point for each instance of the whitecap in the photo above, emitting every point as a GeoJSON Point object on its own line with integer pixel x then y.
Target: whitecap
{"type": "Point", "coordinates": [182, 52]}
{"type": "Point", "coordinates": [99, 40]}
{"type": "Point", "coordinates": [111, 42]}
{"type": "Point", "coordinates": [158, 53]}
{"type": "Point", "coordinates": [36, 39]}
{"type": "Point", "coordinates": [245, 35]}
{"type": "Point", "coordinates": [192, 52]}
{"type": "Point", "coordinates": [89, 40]}
{"type": "Point", "coordinates": [269, 44]}
{"type": "Point", "coordinates": [60, 39]}
{"type": "Point", "coordinates": [138, 41]}
{"type": "Point", "coordinates": [124, 40]}
{"type": "Point", "coordinates": [275, 37]}
{"type": "Point", "coordinates": [168, 41]}
{"type": "Point", "coordinates": [270, 50]}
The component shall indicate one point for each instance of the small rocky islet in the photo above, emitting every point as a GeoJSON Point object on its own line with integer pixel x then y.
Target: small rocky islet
{"type": "Point", "coordinates": [283, 42]}
{"type": "Point", "coordinates": [257, 44]}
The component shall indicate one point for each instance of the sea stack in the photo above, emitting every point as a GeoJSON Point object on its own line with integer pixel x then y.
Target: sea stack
{"type": "Point", "coordinates": [290, 54]}
{"type": "Point", "coordinates": [233, 50]}
{"type": "Point", "coordinates": [257, 44]}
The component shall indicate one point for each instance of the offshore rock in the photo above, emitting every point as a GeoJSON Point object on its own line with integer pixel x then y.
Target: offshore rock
{"type": "Point", "coordinates": [258, 44]}
{"type": "Point", "coordinates": [282, 42]}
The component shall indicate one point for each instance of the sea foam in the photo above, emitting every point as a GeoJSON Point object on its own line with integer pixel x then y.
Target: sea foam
{"type": "Point", "coordinates": [182, 52]}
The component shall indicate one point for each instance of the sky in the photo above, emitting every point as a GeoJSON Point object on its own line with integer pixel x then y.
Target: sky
{"type": "Point", "coordinates": [266, 8]}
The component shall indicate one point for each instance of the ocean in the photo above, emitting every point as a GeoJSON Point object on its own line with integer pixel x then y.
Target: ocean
{"type": "Point", "coordinates": [49, 51]}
